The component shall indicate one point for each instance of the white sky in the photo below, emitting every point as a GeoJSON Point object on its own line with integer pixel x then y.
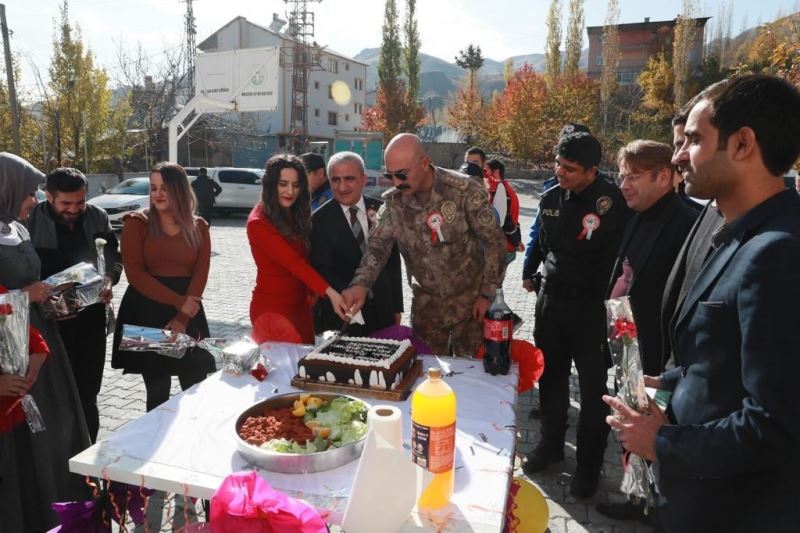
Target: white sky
{"type": "Point", "coordinates": [502, 28]}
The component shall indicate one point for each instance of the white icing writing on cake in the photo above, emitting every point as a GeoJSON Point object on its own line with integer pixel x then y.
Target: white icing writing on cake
{"type": "Point", "coordinates": [352, 359]}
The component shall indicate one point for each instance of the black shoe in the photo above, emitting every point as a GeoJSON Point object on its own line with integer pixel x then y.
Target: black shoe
{"type": "Point", "coordinates": [584, 482]}
{"type": "Point", "coordinates": [623, 511]}
{"type": "Point", "coordinates": [540, 458]}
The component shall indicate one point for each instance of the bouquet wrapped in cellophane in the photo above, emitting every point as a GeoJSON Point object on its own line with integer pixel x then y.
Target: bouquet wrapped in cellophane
{"type": "Point", "coordinates": [73, 289]}
{"type": "Point", "coordinates": [14, 355]}
{"type": "Point", "coordinates": [236, 356]}
{"type": "Point", "coordinates": [638, 478]}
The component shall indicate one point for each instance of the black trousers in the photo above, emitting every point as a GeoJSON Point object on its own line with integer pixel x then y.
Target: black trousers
{"type": "Point", "coordinates": [573, 329]}
{"type": "Point", "coordinates": [207, 213]}
{"type": "Point", "coordinates": [158, 384]}
{"type": "Point", "coordinates": [85, 340]}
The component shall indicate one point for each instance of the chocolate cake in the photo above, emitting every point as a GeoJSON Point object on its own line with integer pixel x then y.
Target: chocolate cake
{"type": "Point", "coordinates": [359, 362]}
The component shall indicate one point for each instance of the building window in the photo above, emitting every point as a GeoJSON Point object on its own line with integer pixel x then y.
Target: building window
{"type": "Point", "coordinates": [298, 111]}
{"type": "Point", "coordinates": [332, 118]}
{"type": "Point", "coordinates": [347, 66]}
{"type": "Point", "coordinates": [599, 60]}
{"type": "Point", "coordinates": [316, 113]}
{"type": "Point", "coordinates": [357, 108]}
{"type": "Point", "coordinates": [358, 84]}
{"type": "Point", "coordinates": [330, 92]}
{"type": "Point", "coordinates": [625, 77]}
{"type": "Point", "coordinates": [346, 117]}
{"type": "Point", "coordinates": [333, 66]}
{"type": "Point", "coordinates": [316, 84]}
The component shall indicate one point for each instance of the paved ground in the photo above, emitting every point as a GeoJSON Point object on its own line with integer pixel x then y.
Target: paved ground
{"type": "Point", "coordinates": [226, 301]}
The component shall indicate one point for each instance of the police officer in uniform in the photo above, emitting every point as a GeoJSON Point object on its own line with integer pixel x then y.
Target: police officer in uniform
{"type": "Point", "coordinates": [582, 225]}
{"type": "Point", "coordinates": [454, 251]}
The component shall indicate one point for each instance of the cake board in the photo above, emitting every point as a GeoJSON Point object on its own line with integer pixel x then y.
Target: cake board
{"type": "Point", "coordinates": [397, 395]}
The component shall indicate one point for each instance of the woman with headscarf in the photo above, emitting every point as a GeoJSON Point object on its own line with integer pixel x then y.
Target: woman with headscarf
{"type": "Point", "coordinates": [34, 469]}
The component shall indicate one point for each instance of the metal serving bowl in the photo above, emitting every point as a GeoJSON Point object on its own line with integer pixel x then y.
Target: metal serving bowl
{"type": "Point", "coordinates": [295, 463]}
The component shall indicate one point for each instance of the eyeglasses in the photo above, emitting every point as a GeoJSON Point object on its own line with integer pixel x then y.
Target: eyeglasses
{"type": "Point", "coordinates": [402, 175]}
{"type": "Point", "coordinates": [630, 178]}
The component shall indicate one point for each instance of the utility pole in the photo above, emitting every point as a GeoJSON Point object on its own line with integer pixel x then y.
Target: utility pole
{"type": "Point", "coordinates": [190, 33]}
{"type": "Point", "coordinates": [302, 57]}
{"type": "Point", "coordinates": [12, 91]}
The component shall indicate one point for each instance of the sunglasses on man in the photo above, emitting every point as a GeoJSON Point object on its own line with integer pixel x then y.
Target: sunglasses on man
{"type": "Point", "coordinates": [402, 175]}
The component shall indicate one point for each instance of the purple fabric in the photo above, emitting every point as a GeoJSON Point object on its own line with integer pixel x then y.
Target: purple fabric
{"type": "Point", "coordinates": [87, 516]}
{"type": "Point", "coordinates": [401, 333]}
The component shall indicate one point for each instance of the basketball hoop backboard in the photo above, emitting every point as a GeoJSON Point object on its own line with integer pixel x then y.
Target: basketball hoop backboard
{"type": "Point", "coordinates": [248, 78]}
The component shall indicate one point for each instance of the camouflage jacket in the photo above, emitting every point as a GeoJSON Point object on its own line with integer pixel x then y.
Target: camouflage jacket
{"type": "Point", "coordinates": [465, 257]}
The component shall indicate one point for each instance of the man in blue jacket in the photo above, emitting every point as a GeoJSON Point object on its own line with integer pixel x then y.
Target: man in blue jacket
{"type": "Point", "coordinates": [728, 448]}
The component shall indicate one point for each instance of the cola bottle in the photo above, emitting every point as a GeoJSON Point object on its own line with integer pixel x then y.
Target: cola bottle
{"type": "Point", "coordinates": [498, 327]}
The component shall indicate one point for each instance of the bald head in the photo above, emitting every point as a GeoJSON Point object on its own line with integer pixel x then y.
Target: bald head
{"type": "Point", "coordinates": [404, 143]}
{"type": "Point", "coordinates": [405, 156]}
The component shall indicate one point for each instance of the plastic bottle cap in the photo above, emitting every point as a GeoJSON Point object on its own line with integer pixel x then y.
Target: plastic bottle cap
{"type": "Point", "coordinates": [435, 372]}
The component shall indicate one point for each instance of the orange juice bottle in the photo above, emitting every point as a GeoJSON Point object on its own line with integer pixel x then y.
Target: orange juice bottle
{"type": "Point", "coordinates": [433, 437]}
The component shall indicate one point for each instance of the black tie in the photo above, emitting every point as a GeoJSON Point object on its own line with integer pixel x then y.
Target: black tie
{"type": "Point", "coordinates": [358, 230]}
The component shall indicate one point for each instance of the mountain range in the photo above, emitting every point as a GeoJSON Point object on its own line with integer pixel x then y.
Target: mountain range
{"type": "Point", "coordinates": [439, 78]}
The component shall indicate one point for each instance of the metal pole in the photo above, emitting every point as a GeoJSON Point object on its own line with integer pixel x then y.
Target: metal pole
{"type": "Point", "coordinates": [12, 91]}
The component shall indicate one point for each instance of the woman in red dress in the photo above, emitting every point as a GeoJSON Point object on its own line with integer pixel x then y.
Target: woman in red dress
{"type": "Point", "coordinates": [278, 230]}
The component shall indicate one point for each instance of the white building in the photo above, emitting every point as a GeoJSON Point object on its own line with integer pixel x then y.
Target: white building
{"type": "Point", "coordinates": [324, 114]}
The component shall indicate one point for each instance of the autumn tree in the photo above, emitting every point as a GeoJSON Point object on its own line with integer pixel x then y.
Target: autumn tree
{"type": "Point", "coordinates": [552, 51]}
{"type": "Point", "coordinates": [396, 107]}
{"type": "Point", "coordinates": [30, 132]}
{"type": "Point", "coordinates": [652, 119]}
{"type": "Point", "coordinates": [574, 41]}
{"type": "Point", "coordinates": [610, 54]}
{"type": "Point", "coordinates": [390, 100]}
{"type": "Point", "coordinates": [528, 115]}
{"type": "Point", "coordinates": [414, 110]}
{"type": "Point", "coordinates": [508, 70]}
{"type": "Point", "coordinates": [685, 33]}
{"type": "Point", "coordinates": [81, 93]}
{"type": "Point", "coordinates": [411, 60]}
{"type": "Point", "coordinates": [465, 113]}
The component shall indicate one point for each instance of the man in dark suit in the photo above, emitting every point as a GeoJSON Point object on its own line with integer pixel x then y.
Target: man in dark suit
{"type": "Point", "coordinates": [339, 236]}
{"type": "Point", "coordinates": [651, 242]}
{"type": "Point", "coordinates": [728, 448]}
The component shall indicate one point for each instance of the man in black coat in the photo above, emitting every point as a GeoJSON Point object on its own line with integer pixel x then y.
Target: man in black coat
{"type": "Point", "coordinates": [64, 230]}
{"type": "Point", "coordinates": [728, 447]}
{"type": "Point", "coordinates": [651, 242]}
{"type": "Point", "coordinates": [339, 236]}
{"type": "Point", "coordinates": [206, 190]}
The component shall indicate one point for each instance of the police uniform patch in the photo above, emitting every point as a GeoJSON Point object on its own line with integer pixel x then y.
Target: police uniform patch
{"type": "Point", "coordinates": [449, 211]}
{"type": "Point", "coordinates": [486, 217]}
{"type": "Point", "coordinates": [603, 205]}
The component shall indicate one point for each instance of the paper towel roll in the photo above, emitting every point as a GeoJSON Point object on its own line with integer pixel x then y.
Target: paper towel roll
{"type": "Point", "coordinates": [367, 510]}
{"type": "Point", "coordinates": [387, 423]}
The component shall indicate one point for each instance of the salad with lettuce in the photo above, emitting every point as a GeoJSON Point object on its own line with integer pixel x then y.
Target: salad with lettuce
{"type": "Point", "coordinates": [334, 424]}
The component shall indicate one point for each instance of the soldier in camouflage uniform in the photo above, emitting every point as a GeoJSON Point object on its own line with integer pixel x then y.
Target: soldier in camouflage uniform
{"type": "Point", "coordinates": [454, 251]}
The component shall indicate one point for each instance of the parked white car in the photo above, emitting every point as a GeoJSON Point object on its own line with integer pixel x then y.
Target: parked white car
{"type": "Point", "coordinates": [130, 195]}
{"type": "Point", "coordinates": [241, 187]}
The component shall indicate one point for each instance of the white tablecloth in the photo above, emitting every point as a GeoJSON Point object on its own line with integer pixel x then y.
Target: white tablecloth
{"type": "Point", "coordinates": [188, 446]}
